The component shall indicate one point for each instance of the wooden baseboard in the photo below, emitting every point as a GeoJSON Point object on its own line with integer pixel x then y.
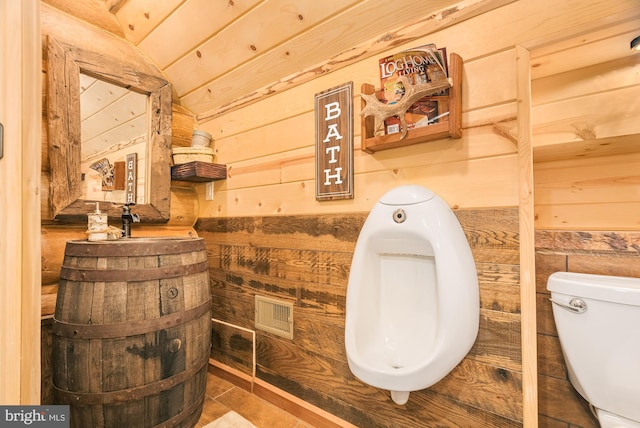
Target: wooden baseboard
{"type": "Point", "coordinates": [292, 404]}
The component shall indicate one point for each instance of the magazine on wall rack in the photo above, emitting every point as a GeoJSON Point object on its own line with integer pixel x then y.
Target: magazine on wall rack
{"type": "Point", "coordinates": [422, 64]}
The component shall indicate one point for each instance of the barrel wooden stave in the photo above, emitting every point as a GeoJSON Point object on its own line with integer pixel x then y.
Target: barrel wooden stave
{"type": "Point", "coordinates": [133, 353]}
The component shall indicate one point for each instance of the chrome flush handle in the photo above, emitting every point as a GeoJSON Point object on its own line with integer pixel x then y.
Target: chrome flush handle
{"type": "Point", "coordinates": [575, 305]}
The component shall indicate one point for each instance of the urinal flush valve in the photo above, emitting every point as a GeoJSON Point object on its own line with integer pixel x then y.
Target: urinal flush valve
{"type": "Point", "coordinates": [399, 216]}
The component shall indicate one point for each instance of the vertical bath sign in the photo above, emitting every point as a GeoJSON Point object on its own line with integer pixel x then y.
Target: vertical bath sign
{"type": "Point", "coordinates": [334, 143]}
{"type": "Point", "coordinates": [131, 178]}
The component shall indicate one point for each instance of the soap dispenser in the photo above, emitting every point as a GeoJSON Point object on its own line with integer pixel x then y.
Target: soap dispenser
{"type": "Point", "coordinates": [97, 225]}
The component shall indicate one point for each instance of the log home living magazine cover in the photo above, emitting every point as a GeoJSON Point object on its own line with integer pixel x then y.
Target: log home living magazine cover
{"type": "Point", "coordinates": [422, 64]}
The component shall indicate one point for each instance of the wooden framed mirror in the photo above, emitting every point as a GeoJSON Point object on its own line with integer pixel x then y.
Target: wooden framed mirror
{"type": "Point", "coordinates": [65, 65]}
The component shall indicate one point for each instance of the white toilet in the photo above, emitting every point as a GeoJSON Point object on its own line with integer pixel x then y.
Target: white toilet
{"type": "Point", "coordinates": [412, 309]}
{"type": "Point", "coordinates": [598, 321]}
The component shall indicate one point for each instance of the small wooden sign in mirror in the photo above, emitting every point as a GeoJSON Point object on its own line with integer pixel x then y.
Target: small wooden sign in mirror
{"type": "Point", "coordinates": [334, 143]}
{"type": "Point", "coordinates": [132, 176]}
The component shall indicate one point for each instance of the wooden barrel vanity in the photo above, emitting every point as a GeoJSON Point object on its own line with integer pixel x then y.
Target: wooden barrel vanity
{"type": "Point", "coordinates": [132, 332]}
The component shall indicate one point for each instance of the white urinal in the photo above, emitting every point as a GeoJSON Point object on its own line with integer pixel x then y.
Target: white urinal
{"type": "Point", "coordinates": [412, 309]}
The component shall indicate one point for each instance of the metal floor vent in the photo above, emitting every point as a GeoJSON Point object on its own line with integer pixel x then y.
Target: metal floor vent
{"type": "Point", "coordinates": [274, 316]}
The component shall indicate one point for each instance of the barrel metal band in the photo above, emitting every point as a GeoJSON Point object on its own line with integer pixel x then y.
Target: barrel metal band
{"type": "Point", "coordinates": [131, 328]}
{"type": "Point", "coordinates": [129, 275]}
{"type": "Point", "coordinates": [130, 394]}
{"type": "Point", "coordinates": [134, 247]}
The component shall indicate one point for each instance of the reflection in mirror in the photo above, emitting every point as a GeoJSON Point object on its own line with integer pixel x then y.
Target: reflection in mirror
{"type": "Point", "coordinates": [113, 124]}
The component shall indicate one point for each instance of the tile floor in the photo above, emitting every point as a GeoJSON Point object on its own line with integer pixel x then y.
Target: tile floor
{"type": "Point", "coordinates": [223, 396]}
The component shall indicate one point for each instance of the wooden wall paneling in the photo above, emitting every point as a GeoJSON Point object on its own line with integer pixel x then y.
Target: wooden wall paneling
{"type": "Point", "coordinates": [328, 268]}
{"type": "Point", "coordinates": [598, 252]}
{"type": "Point", "coordinates": [30, 289]}
{"type": "Point", "coordinates": [286, 160]}
{"type": "Point", "coordinates": [588, 193]}
{"type": "Point", "coordinates": [588, 242]}
{"type": "Point", "coordinates": [499, 342]}
{"type": "Point", "coordinates": [487, 182]}
{"type": "Point", "coordinates": [275, 256]}
{"type": "Point", "coordinates": [20, 112]}
{"type": "Point", "coordinates": [571, 149]}
{"type": "Point", "coordinates": [592, 179]}
{"type": "Point", "coordinates": [576, 52]}
{"type": "Point", "coordinates": [550, 358]}
{"type": "Point", "coordinates": [476, 95]}
{"type": "Point", "coordinates": [435, 410]}
{"type": "Point", "coordinates": [598, 115]}
{"type": "Point", "coordinates": [579, 82]}
{"type": "Point", "coordinates": [184, 207]}
{"type": "Point", "coordinates": [296, 165]}
{"type": "Point", "coordinates": [308, 374]}
{"type": "Point", "coordinates": [251, 144]}
{"type": "Point", "coordinates": [589, 216]}
{"type": "Point", "coordinates": [288, 104]}
{"type": "Point", "coordinates": [232, 346]}
{"type": "Point", "coordinates": [327, 231]}
{"type": "Point", "coordinates": [588, 180]}
{"type": "Point", "coordinates": [504, 297]}
{"type": "Point", "coordinates": [564, 402]}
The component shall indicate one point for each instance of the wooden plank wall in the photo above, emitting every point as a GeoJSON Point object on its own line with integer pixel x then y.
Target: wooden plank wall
{"type": "Point", "coordinates": [587, 196]}
{"type": "Point", "coordinates": [595, 252]}
{"type": "Point", "coordinates": [19, 213]}
{"type": "Point", "coordinates": [266, 233]}
{"type": "Point", "coordinates": [587, 154]}
{"type": "Point", "coordinates": [269, 149]}
{"type": "Point", "coordinates": [306, 260]}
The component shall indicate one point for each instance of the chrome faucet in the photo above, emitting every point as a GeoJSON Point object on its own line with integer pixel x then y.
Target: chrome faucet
{"type": "Point", "coordinates": [127, 219]}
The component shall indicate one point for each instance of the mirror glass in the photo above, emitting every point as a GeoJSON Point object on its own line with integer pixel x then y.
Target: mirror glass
{"type": "Point", "coordinates": [92, 100]}
{"type": "Point", "coordinates": [113, 124]}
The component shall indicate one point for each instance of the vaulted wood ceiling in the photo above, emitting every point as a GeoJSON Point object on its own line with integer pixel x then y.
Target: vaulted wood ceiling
{"type": "Point", "coordinates": [219, 54]}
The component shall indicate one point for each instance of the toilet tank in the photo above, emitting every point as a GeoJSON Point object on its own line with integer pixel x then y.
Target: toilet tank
{"type": "Point", "coordinates": [601, 344]}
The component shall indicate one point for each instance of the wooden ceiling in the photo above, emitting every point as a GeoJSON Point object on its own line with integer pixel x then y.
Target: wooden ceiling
{"type": "Point", "coordinates": [220, 54]}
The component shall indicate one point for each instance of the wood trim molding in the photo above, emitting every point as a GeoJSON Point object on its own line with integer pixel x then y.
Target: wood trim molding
{"type": "Point", "coordinates": [527, 242]}
{"type": "Point", "coordinates": [292, 404]}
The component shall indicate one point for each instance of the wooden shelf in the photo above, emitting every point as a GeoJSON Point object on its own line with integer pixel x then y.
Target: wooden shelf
{"type": "Point", "coordinates": [198, 172]}
{"type": "Point", "coordinates": [451, 128]}
{"type": "Point", "coordinates": [584, 149]}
